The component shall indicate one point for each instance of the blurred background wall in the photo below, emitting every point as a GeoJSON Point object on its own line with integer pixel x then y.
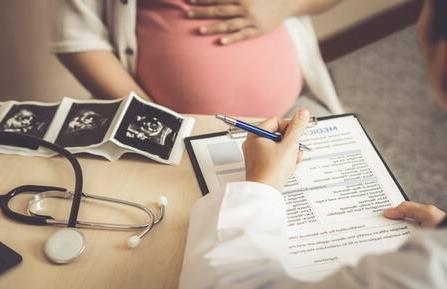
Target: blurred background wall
{"type": "Point", "coordinates": [349, 13]}
{"type": "Point", "coordinates": [29, 71]}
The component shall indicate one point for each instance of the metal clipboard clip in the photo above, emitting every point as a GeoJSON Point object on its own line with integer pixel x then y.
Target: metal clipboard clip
{"type": "Point", "coordinates": [236, 133]}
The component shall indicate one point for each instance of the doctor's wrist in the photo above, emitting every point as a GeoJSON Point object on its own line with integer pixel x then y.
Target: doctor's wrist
{"type": "Point", "coordinates": [266, 179]}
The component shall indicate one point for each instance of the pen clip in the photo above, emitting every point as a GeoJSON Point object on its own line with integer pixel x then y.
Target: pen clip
{"type": "Point", "coordinates": [313, 121]}
{"type": "Point", "coordinates": [237, 133]}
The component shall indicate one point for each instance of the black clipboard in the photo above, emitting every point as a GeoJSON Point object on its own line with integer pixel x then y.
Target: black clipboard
{"type": "Point", "coordinates": [201, 180]}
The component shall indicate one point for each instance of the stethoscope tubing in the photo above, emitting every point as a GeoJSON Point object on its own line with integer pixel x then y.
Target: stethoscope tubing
{"type": "Point", "coordinates": [31, 220]}
{"type": "Point", "coordinates": [16, 139]}
{"type": "Point", "coordinates": [44, 192]}
{"type": "Point", "coordinates": [35, 216]}
{"type": "Point", "coordinates": [65, 194]}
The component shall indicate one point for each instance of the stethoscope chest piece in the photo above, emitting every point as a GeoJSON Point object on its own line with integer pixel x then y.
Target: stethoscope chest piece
{"type": "Point", "coordinates": [64, 245]}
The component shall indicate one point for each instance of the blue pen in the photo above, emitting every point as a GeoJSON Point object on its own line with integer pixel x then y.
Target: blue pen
{"type": "Point", "coordinates": [255, 130]}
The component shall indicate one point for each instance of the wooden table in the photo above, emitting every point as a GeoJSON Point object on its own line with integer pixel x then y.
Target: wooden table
{"type": "Point", "coordinates": [106, 262]}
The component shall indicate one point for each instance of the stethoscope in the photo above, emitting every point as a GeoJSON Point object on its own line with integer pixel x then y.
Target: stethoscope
{"type": "Point", "coordinates": [67, 244]}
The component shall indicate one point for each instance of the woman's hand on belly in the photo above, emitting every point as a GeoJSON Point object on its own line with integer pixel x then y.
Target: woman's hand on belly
{"type": "Point", "coordinates": [241, 19]}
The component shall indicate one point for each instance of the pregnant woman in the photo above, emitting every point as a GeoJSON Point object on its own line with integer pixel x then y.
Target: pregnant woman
{"type": "Point", "coordinates": [235, 57]}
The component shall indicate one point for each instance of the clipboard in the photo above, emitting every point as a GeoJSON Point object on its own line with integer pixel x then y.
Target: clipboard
{"type": "Point", "coordinates": [201, 180]}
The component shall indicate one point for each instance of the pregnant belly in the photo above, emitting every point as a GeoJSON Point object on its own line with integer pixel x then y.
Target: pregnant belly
{"type": "Point", "coordinates": [192, 74]}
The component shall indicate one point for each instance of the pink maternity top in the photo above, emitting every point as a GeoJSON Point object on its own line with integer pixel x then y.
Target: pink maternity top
{"type": "Point", "coordinates": [191, 73]}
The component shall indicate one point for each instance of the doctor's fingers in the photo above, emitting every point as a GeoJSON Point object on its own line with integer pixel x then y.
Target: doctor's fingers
{"type": "Point", "coordinates": [296, 127]}
{"type": "Point", "coordinates": [226, 26]}
{"type": "Point", "coordinates": [425, 215]}
{"type": "Point", "coordinates": [300, 156]}
{"type": "Point", "coordinates": [216, 11]}
{"type": "Point", "coordinates": [273, 124]}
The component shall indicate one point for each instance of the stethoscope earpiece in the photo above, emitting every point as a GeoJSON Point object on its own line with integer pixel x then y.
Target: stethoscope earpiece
{"type": "Point", "coordinates": [64, 245]}
{"type": "Point", "coordinates": [163, 201]}
{"type": "Point", "coordinates": [133, 241]}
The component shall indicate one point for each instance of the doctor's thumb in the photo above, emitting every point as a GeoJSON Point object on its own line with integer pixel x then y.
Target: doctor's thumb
{"type": "Point", "coordinates": [426, 215]}
{"type": "Point", "coordinates": [296, 126]}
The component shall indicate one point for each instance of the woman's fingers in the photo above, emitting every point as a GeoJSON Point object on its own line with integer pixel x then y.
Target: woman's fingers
{"type": "Point", "coordinates": [243, 34]}
{"type": "Point", "coordinates": [217, 11]}
{"type": "Point", "coordinates": [238, 26]}
{"type": "Point", "coordinates": [425, 215]}
{"type": "Point", "coordinates": [227, 26]}
{"type": "Point", "coordinates": [213, 2]}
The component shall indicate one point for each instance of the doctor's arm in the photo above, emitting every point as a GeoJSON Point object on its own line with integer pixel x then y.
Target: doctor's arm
{"type": "Point", "coordinates": [237, 237]}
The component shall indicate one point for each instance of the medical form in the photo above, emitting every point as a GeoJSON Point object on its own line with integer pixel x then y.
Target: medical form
{"type": "Point", "coordinates": [334, 200]}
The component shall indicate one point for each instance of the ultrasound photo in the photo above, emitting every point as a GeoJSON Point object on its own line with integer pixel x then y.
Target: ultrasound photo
{"type": "Point", "coordinates": [148, 129]}
{"type": "Point", "coordinates": [86, 124]}
{"type": "Point", "coordinates": [29, 119]}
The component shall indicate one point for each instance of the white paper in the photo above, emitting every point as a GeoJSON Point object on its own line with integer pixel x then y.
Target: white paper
{"type": "Point", "coordinates": [334, 200]}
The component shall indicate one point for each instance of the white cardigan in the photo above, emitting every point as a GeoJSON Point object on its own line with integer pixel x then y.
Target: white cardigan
{"type": "Point", "coordinates": [82, 25]}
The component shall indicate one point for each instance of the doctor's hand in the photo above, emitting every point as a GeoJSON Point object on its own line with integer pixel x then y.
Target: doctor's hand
{"type": "Point", "coordinates": [240, 19]}
{"type": "Point", "coordinates": [270, 162]}
{"type": "Point", "coordinates": [427, 216]}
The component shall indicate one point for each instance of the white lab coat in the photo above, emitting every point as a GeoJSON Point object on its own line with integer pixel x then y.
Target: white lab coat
{"type": "Point", "coordinates": [83, 25]}
{"type": "Point", "coordinates": [236, 239]}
